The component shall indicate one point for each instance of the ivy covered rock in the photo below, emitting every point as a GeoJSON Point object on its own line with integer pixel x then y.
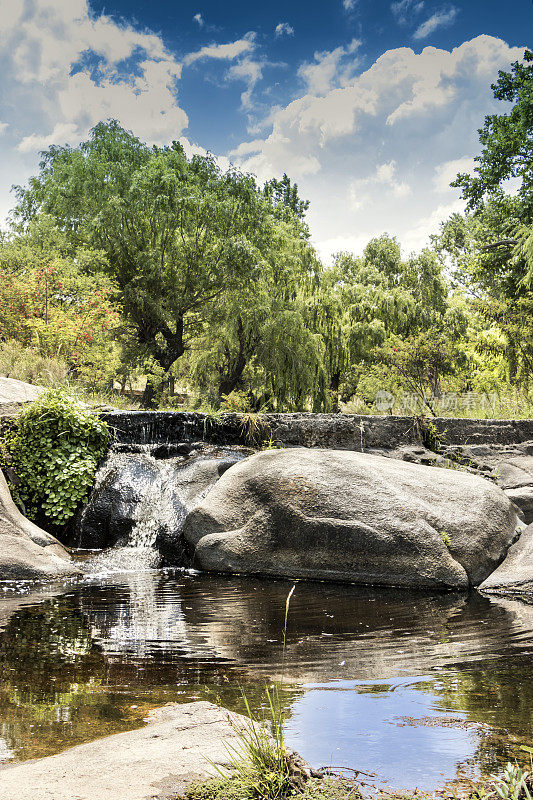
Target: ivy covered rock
{"type": "Point", "coordinates": [346, 516]}
{"type": "Point", "coordinates": [54, 449]}
{"type": "Point", "coordinates": [26, 551]}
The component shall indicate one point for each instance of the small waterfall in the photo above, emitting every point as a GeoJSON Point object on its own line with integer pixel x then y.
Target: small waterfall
{"type": "Point", "coordinates": [157, 508]}
{"type": "Point", "coordinates": [141, 497]}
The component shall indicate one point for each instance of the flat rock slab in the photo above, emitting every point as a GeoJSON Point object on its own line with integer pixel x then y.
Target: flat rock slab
{"type": "Point", "coordinates": [13, 391]}
{"type": "Point", "coordinates": [174, 749]}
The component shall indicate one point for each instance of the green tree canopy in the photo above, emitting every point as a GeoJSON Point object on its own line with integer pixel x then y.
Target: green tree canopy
{"type": "Point", "coordinates": [507, 142]}
{"type": "Point", "coordinates": [177, 233]}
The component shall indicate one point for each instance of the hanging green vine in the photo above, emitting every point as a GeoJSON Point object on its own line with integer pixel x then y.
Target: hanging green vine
{"type": "Point", "coordinates": [54, 448]}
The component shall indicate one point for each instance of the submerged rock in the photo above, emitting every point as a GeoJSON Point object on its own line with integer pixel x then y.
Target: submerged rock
{"type": "Point", "coordinates": [26, 551]}
{"type": "Point", "coordinates": [347, 516]}
{"type": "Point", "coordinates": [515, 574]}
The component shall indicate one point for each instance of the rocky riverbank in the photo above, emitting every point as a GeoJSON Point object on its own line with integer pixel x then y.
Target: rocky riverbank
{"type": "Point", "coordinates": [348, 510]}
{"type": "Point", "coordinates": [180, 744]}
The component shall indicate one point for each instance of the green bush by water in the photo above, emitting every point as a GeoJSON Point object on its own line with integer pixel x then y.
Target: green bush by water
{"type": "Point", "coordinates": [54, 448]}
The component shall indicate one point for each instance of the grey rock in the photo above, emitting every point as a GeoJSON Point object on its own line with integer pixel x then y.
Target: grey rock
{"type": "Point", "coordinates": [26, 551]}
{"type": "Point", "coordinates": [515, 574]}
{"type": "Point", "coordinates": [346, 516]}
{"type": "Point", "coordinates": [501, 450]}
{"type": "Point", "coordinates": [13, 391]}
{"type": "Point", "coordinates": [134, 486]}
{"type": "Point", "coordinates": [179, 744]}
{"type": "Point", "coordinates": [522, 497]}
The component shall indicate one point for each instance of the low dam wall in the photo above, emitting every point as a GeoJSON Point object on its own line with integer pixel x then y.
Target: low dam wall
{"type": "Point", "coordinates": [335, 431]}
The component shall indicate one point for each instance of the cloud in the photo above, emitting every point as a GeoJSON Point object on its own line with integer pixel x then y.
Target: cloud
{"type": "Point", "coordinates": [330, 69]}
{"type": "Point", "coordinates": [199, 19]}
{"type": "Point", "coordinates": [447, 172]}
{"type": "Point", "coordinates": [417, 237]}
{"type": "Point", "coordinates": [64, 69]}
{"type": "Point", "coordinates": [284, 29]}
{"type": "Point", "coordinates": [404, 10]}
{"type": "Point", "coordinates": [64, 133]}
{"type": "Point", "coordinates": [438, 20]}
{"type": "Point", "coordinates": [349, 5]}
{"type": "Point", "coordinates": [341, 244]}
{"type": "Point", "coordinates": [374, 149]}
{"type": "Point", "coordinates": [362, 190]}
{"type": "Point", "coordinates": [250, 72]}
{"type": "Point", "coordinates": [3, 127]}
{"type": "Point", "coordinates": [224, 52]}
{"type": "Point", "coordinates": [245, 67]}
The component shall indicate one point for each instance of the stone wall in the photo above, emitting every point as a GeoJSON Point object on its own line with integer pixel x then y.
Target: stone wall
{"type": "Point", "coordinates": [336, 431]}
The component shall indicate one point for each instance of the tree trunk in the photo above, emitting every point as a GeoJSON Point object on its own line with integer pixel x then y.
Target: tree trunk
{"type": "Point", "coordinates": [334, 384]}
{"type": "Point", "coordinates": [165, 357]}
{"type": "Point", "coordinates": [149, 395]}
{"type": "Point", "coordinates": [233, 375]}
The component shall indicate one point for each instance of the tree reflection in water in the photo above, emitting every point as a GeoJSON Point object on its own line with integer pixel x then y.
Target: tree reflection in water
{"type": "Point", "coordinates": [369, 674]}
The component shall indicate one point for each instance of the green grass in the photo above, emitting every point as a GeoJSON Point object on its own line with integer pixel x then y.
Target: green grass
{"type": "Point", "coordinates": [236, 788]}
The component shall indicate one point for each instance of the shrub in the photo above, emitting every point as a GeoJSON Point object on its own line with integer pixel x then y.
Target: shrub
{"type": "Point", "coordinates": [26, 364]}
{"type": "Point", "coordinates": [54, 448]}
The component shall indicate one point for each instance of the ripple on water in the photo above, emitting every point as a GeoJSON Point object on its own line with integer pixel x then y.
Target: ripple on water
{"type": "Point", "coordinates": [418, 688]}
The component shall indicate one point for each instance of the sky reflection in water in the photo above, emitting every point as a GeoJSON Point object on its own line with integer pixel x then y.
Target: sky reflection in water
{"type": "Point", "coordinates": [417, 688]}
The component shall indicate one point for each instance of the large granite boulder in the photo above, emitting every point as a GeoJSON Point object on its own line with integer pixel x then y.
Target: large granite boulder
{"type": "Point", "coordinates": [347, 516]}
{"type": "Point", "coordinates": [515, 573]}
{"type": "Point", "coordinates": [14, 393]}
{"type": "Point", "coordinates": [26, 551]}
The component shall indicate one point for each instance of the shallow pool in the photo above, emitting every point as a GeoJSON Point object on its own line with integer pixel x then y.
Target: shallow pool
{"type": "Point", "coordinates": [418, 689]}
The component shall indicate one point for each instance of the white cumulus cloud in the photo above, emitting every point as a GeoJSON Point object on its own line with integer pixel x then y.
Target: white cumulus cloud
{"type": "Point", "coordinates": [372, 152]}
{"type": "Point", "coordinates": [199, 20]}
{"type": "Point", "coordinates": [330, 68]}
{"type": "Point", "coordinates": [65, 67]}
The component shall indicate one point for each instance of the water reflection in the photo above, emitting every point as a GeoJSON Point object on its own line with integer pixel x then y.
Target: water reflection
{"type": "Point", "coordinates": [412, 686]}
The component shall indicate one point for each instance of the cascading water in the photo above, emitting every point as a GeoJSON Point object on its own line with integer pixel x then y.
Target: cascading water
{"type": "Point", "coordinates": [141, 497]}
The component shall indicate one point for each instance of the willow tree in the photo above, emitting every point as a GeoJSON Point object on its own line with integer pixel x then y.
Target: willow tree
{"type": "Point", "coordinates": [177, 233]}
{"type": "Point", "coordinates": [361, 301]}
{"type": "Point", "coordinates": [258, 341]}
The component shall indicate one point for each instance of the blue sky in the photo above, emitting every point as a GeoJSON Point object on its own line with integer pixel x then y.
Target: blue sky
{"type": "Point", "coordinates": [371, 106]}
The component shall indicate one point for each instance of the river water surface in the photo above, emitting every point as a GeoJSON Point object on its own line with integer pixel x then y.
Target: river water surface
{"type": "Point", "coordinates": [419, 689]}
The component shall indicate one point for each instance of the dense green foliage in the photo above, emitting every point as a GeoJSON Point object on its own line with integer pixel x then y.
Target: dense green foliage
{"type": "Point", "coordinates": [491, 247]}
{"type": "Point", "coordinates": [54, 448]}
{"type": "Point", "coordinates": [138, 265]}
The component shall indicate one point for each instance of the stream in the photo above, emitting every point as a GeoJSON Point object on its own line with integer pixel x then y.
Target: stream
{"type": "Point", "coordinates": [416, 688]}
